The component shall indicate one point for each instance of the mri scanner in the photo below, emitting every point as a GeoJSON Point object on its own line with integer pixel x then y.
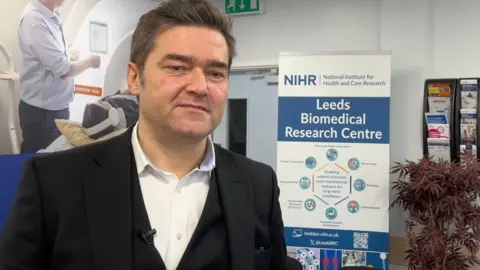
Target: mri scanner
{"type": "Point", "coordinates": [103, 28]}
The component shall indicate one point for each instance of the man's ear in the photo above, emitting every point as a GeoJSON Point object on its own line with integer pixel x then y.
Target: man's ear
{"type": "Point", "coordinates": [133, 79]}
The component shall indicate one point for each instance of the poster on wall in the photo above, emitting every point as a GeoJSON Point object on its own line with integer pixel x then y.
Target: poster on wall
{"type": "Point", "coordinates": [333, 158]}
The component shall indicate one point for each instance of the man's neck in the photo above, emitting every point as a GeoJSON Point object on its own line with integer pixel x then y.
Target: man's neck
{"type": "Point", "coordinates": [171, 154]}
{"type": "Point", "coordinates": [50, 5]}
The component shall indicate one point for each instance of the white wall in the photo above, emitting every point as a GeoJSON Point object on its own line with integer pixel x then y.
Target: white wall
{"type": "Point", "coordinates": [456, 38]}
{"type": "Point", "coordinates": [406, 31]}
{"type": "Point", "coordinates": [307, 25]}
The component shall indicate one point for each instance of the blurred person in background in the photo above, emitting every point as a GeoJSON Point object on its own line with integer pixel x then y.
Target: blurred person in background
{"type": "Point", "coordinates": [46, 74]}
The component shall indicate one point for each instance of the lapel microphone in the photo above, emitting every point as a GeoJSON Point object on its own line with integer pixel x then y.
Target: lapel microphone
{"type": "Point", "coordinates": [146, 235]}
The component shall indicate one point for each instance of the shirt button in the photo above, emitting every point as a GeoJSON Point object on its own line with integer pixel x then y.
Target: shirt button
{"type": "Point", "coordinates": [178, 190]}
{"type": "Point", "coordinates": [179, 236]}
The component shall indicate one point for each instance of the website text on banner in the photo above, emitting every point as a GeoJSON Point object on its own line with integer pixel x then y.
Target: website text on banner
{"type": "Point", "coordinates": [333, 158]}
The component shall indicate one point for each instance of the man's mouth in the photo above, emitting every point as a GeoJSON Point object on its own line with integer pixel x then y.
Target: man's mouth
{"type": "Point", "coordinates": [194, 106]}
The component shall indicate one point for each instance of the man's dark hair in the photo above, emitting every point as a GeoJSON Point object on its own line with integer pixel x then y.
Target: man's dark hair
{"type": "Point", "coordinates": [172, 13]}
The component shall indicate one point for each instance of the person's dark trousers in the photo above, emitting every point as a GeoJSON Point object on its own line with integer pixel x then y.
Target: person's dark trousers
{"type": "Point", "coordinates": [38, 126]}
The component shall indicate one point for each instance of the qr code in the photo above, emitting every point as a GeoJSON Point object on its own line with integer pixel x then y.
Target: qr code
{"type": "Point", "coordinates": [360, 240]}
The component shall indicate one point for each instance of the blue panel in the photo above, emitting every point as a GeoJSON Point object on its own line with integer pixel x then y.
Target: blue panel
{"type": "Point", "coordinates": [334, 119]}
{"type": "Point", "coordinates": [10, 174]}
{"type": "Point", "coordinates": [331, 249]}
{"type": "Point", "coordinates": [337, 239]}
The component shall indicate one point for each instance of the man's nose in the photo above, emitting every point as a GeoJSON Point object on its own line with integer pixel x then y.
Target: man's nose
{"type": "Point", "coordinates": [198, 82]}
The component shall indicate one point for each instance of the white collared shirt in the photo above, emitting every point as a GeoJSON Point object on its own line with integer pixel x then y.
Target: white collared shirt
{"type": "Point", "coordinates": [173, 206]}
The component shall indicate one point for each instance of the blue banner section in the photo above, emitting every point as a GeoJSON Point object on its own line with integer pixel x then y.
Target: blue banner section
{"type": "Point", "coordinates": [337, 239]}
{"type": "Point", "coordinates": [334, 119]}
{"type": "Point", "coordinates": [335, 259]}
{"type": "Point", "coordinates": [10, 174]}
{"type": "Point", "coordinates": [332, 249]}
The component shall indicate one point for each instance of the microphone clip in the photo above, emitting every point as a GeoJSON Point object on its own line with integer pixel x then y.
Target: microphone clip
{"type": "Point", "coordinates": [147, 236]}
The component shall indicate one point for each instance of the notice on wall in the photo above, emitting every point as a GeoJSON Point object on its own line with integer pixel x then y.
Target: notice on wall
{"type": "Point", "coordinates": [333, 158]}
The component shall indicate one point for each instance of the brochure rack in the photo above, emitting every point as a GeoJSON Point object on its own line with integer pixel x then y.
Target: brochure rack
{"type": "Point", "coordinates": [466, 112]}
{"type": "Point", "coordinates": [439, 104]}
{"type": "Point", "coordinates": [452, 101]}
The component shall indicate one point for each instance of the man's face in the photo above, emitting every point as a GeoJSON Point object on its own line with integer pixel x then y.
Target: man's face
{"type": "Point", "coordinates": [185, 84]}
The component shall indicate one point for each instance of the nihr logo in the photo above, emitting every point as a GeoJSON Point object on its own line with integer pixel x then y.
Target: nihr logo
{"type": "Point", "coordinates": [304, 80]}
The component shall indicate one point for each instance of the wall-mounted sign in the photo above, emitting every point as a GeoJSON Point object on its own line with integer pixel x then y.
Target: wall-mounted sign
{"type": "Point", "coordinates": [241, 7]}
{"type": "Point", "coordinates": [98, 37]}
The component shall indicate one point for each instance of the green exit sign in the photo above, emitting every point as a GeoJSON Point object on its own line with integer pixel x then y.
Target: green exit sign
{"type": "Point", "coordinates": [239, 7]}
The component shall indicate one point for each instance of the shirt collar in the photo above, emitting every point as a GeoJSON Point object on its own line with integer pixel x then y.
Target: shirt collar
{"type": "Point", "coordinates": [45, 11]}
{"type": "Point", "coordinates": [142, 161]}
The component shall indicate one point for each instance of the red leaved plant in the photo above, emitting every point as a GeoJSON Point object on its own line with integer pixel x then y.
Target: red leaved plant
{"type": "Point", "coordinates": [443, 226]}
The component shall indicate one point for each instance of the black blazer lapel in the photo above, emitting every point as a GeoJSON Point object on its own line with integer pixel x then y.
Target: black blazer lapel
{"type": "Point", "coordinates": [237, 204]}
{"type": "Point", "coordinates": [107, 184]}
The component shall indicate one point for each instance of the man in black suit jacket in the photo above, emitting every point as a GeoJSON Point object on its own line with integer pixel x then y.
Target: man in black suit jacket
{"type": "Point", "coordinates": [117, 205]}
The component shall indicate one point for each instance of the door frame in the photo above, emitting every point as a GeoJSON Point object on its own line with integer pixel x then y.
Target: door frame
{"type": "Point", "coordinates": [240, 69]}
{"type": "Point", "coordinates": [225, 125]}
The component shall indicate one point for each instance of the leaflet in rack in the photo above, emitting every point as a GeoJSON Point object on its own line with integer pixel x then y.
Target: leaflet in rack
{"type": "Point", "coordinates": [438, 141]}
{"type": "Point", "coordinates": [439, 98]}
{"type": "Point", "coordinates": [468, 115]}
{"type": "Point", "coordinates": [438, 121]}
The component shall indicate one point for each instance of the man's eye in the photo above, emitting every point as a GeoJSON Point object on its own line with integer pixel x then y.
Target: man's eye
{"type": "Point", "coordinates": [217, 75]}
{"type": "Point", "coordinates": [176, 68]}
